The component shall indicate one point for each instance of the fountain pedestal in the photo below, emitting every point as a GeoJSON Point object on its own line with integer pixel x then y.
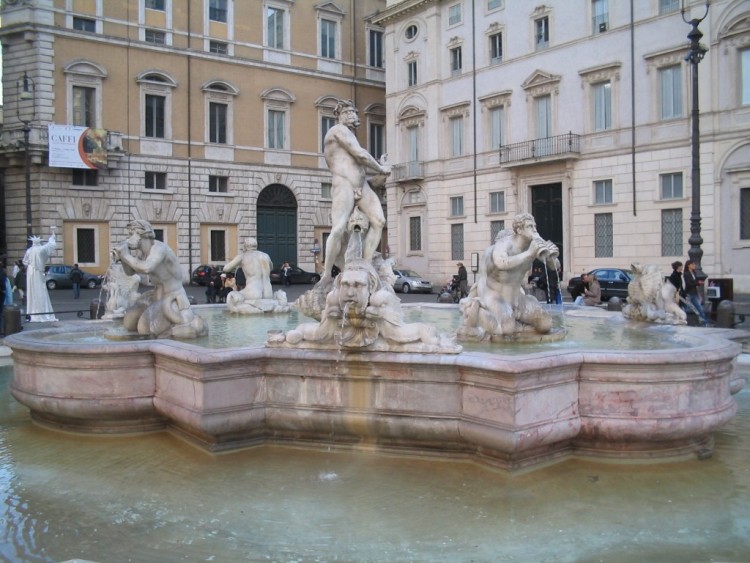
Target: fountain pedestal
{"type": "Point", "coordinates": [509, 411]}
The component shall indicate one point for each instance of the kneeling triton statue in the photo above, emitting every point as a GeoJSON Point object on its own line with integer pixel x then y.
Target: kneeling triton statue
{"type": "Point", "coordinates": [163, 312]}
{"type": "Point", "coordinates": [497, 307]}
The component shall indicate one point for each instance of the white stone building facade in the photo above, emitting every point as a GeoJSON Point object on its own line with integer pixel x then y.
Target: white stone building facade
{"type": "Point", "coordinates": [577, 111]}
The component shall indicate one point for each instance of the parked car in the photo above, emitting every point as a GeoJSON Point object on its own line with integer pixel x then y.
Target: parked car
{"type": "Point", "coordinates": [409, 280]}
{"type": "Point", "coordinates": [202, 273]}
{"type": "Point", "coordinates": [296, 275]}
{"type": "Point", "coordinates": [613, 281]}
{"type": "Point", "coordinates": [57, 276]}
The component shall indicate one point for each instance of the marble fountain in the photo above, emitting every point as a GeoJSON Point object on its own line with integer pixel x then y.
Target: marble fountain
{"type": "Point", "coordinates": [343, 382]}
{"type": "Point", "coordinates": [502, 380]}
{"type": "Point", "coordinates": [358, 375]}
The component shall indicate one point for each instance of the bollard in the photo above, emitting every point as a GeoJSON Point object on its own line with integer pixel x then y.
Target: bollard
{"type": "Point", "coordinates": [725, 314]}
{"type": "Point", "coordinates": [96, 309]}
{"type": "Point", "coordinates": [614, 304]}
{"type": "Point", "coordinates": [12, 319]}
{"type": "Point", "coordinates": [445, 297]}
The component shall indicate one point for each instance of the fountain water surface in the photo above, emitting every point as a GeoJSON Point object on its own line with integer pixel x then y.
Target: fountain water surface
{"type": "Point", "coordinates": [154, 498]}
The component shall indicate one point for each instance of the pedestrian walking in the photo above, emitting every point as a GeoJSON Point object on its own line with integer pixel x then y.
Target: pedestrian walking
{"type": "Point", "coordinates": [19, 282]}
{"type": "Point", "coordinates": [463, 280]}
{"type": "Point", "coordinates": [76, 276]}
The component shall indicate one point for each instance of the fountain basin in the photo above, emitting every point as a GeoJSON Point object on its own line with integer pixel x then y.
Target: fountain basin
{"type": "Point", "coordinates": [510, 411]}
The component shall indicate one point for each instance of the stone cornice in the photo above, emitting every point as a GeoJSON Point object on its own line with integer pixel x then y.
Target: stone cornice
{"type": "Point", "coordinates": [400, 11]}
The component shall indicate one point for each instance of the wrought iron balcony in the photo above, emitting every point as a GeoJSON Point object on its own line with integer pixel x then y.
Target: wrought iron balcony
{"type": "Point", "coordinates": [408, 171]}
{"type": "Point", "coordinates": [549, 148]}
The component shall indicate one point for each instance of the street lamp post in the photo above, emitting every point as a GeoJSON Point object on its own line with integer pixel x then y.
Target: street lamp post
{"type": "Point", "coordinates": [695, 55]}
{"type": "Point", "coordinates": [25, 90]}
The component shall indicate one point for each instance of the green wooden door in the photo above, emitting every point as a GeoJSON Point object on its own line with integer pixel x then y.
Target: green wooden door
{"type": "Point", "coordinates": [547, 209]}
{"type": "Point", "coordinates": [277, 224]}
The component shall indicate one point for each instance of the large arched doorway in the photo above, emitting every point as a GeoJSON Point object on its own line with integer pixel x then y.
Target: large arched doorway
{"type": "Point", "coordinates": [277, 224]}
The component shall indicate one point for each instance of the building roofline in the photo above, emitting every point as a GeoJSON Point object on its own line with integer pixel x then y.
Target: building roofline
{"type": "Point", "coordinates": [400, 10]}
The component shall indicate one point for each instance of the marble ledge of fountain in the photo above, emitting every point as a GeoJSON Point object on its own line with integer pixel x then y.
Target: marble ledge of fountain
{"type": "Point", "coordinates": [509, 411]}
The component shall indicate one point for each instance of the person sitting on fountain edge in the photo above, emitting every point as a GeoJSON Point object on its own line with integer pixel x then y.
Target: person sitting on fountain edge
{"type": "Point", "coordinates": [592, 293]}
{"type": "Point", "coordinates": [691, 292]}
{"type": "Point", "coordinates": [580, 287]}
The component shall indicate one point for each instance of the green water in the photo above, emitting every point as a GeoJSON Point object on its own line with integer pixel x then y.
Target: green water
{"type": "Point", "coordinates": [605, 332]}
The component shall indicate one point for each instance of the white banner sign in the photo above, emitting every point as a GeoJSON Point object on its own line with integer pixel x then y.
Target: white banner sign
{"type": "Point", "coordinates": [77, 147]}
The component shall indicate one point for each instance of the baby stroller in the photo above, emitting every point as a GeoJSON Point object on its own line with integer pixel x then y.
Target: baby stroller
{"type": "Point", "coordinates": [450, 292]}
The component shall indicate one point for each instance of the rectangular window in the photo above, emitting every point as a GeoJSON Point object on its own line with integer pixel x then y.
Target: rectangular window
{"type": "Point", "coordinates": [602, 106]}
{"type": "Point", "coordinates": [745, 74]}
{"type": "Point", "coordinates": [495, 228]}
{"type": "Point", "coordinates": [217, 123]}
{"type": "Point", "coordinates": [377, 140]}
{"type": "Point", "coordinates": [276, 129]}
{"type": "Point", "coordinates": [84, 24]}
{"type": "Point", "coordinates": [413, 164]}
{"type": "Point", "coordinates": [218, 184]}
{"type": "Point", "coordinates": [155, 37]}
{"type": "Point", "coordinates": [497, 115]}
{"type": "Point", "coordinates": [457, 206]}
{"type": "Point", "coordinates": [217, 10]}
{"type": "Point", "coordinates": [155, 181]}
{"type": "Point", "coordinates": [456, 63]}
{"type": "Point", "coordinates": [494, 4]}
{"type": "Point", "coordinates": [84, 110]}
{"type": "Point", "coordinates": [600, 10]}
{"type": "Point", "coordinates": [745, 213]}
{"type": "Point", "coordinates": [603, 235]}
{"type": "Point", "coordinates": [603, 192]}
{"type": "Point", "coordinates": [85, 177]}
{"type": "Point", "coordinates": [497, 202]}
{"type": "Point", "coordinates": [376, 48]}
{"type": "Point", "coordinates": [328, 39]}
{"type": "Point", "coordinates": [415, 233]}
{"type": "Point", "coordinates": [671, 185]}
{"type": "Point", "coordinates": [218, 246]}
{"type": "Point", "coordinates": [325, 190]}
{"type": "Point", "coordinates": [411, 68]}
{"type": "Point", "coordinates": [541, 33]}
{"type": "Point", "coordinates": [496, 48]}
{"type": "Point", "coordinates": [454, 14]}
{"type": "Point", "coordinates": [667, 6]}
{"type": "Point", "coordinates": [457, 242]}
{"type": "Point", "coordinates": [85, 246]}
{"type": "Point", "coordinates": [671, 92]}
{"type": "Point", "coordinates": [218, 47]}
{"type": "Point", "coordinates": [457, 136]}
{"type": "Point", "coordinates": [543, 115]}
{"type": "Point", "coordinates": [275, 28]}
{"type": "Point", "coordinates": [671, 232]}
{"type": "Point", "coordinates": [159, 234]}
{"type": "Point", "coordinates": [155, 5]}
{"type": "Point", "coordinates": [155, 116]}
{"type": "Point", "coordinates": [326, 122]}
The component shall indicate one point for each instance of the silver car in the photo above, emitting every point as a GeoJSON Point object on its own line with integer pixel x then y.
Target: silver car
{"type": "Point", "coordinates": [409, 280]}
{"type": "Point", "coordinates": [58, 276]}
